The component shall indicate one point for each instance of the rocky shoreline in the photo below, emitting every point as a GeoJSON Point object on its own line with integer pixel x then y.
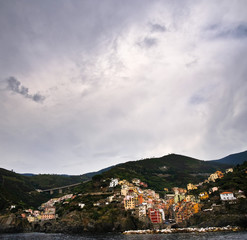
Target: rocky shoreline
{"type": "Point", "coordinates": [184, 230]}
{"type": "Point", "coordinates": [14, 224]}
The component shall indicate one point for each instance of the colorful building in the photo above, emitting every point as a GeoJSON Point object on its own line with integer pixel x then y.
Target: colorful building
{"type": "Point", "coordinates": [226, 196]}
{"type": "Point", "coordinates": [130, 202]}
{"type": "Point", "coordinates": [191, 186]}
{"type": "Point", "coordinates": [203, 195]}
{"type": "Point", "coordinates": [155, 215]}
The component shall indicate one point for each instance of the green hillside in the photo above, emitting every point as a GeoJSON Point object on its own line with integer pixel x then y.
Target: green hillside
{"type": "Point", "coordinates": [224, 213]}
{"type": "Point", "coordinates": [167, 171]}
{"type": "Point", "coordinates": [47, 181]}
{"type": "Point", "coordinates": [16, 189]}
{"type": "Point", "coordinates": [20, 190]}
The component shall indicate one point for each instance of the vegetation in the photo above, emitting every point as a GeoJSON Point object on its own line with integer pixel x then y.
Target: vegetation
{"type": "Point", "coordinates": [222, 213]}
{"type": "Point", "coordinates": [16, 189]}
{"type": "Point", "coordinates": [165, 172]}
{"type": "Point", "coordinates": [47, 181]}
{"type": "Point", "coordinates": [232, 181]}
{"type": "Point", "coordinates": [19, 190]}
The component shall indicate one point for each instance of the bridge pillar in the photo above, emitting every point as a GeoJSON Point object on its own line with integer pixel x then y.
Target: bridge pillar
{"type": "Point", "coordinates": [60, 190]}
{"type": "Point", "coordinates": [51, 192]}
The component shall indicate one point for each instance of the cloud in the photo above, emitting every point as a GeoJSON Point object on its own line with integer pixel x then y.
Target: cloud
{"type": "Point", "coordinates": [197, 99]}
{"type": "Point", "coordinates": [148, 42]}
{"type": "Point", "coordinates": [239, 31]}
{"type": "Point", "coordinates": [157, 28]}
{"type": "Point", "coordinates": [224, 31]}
{"type": "Point", "coordinates": [15, 86]}
{"type": "Point", "coordinates": [134, 78]}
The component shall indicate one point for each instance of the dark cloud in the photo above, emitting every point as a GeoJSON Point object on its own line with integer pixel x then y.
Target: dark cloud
{"type": "Point", "coordinates": [157, 28]}
{"type": "Point", "coordinates": [237, 31]}
{"type": "Point", "coordinates": [15, 86]}
{"type": "Point", "coordinates": [148, 42]}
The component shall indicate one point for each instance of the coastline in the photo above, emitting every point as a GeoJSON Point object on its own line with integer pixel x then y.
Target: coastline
{"type": "Point", "coordinates": [184, 230]}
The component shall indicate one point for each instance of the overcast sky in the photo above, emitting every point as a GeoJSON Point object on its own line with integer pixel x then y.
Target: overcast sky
{"type": "Point", "coordinates": [86, 84]}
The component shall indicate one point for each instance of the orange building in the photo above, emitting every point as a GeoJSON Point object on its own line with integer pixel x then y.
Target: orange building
{"type": "Point", "coordinates": [140, 199]}
{"type": "Point", "coordinates": [220, 174]}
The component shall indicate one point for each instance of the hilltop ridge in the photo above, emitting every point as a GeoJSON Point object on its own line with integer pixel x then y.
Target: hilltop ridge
{"type": "Point", "coordinates": [233, 159]}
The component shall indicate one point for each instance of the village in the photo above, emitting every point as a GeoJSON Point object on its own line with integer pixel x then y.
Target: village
{"type": "Point", "coordinates": [178, 204]}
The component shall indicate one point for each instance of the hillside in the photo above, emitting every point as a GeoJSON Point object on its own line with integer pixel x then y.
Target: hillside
{"type": "Point", "coordinates": [18, 190]}
{"type": "Point", "coordinates": [233, 159]}
{"type": "Point", "coordinates": [167, 171]}
{"type": "Point", "coordinates": [220, 213]}
{"type": "Point", "coordinates": [46, 181]}
{"type": "Point", "coordinates": [88, 176]}
{"type": "Point", "coordinates": [159, 173]}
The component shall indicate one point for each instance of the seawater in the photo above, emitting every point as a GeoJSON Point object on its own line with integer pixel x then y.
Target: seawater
{"type": "Point", "coordinates": [173, 236]}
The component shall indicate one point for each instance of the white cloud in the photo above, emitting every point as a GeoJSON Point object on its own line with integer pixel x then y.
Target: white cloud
{"type": "Point", "coordinates": [146, 80]}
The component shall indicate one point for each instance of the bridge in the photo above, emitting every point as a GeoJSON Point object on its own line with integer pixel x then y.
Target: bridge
{"type": "Point", "coordinates": [60, 189]}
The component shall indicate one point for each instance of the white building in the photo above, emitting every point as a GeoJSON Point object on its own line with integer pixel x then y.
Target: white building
{"type": "Point", "coordinates": [225, 196]}
{"type": "Point", "coordinates": [81, 205]}
{"type": "Point", "coordinates": [162, 214]}
{"type": "Point", "coordinates": [142, 210]}
{"type": "Point", "coordinates": [114, 182]}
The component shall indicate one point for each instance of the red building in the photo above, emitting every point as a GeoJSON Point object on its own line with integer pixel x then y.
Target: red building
{"type": "Point", "coordinates": [155, 215]}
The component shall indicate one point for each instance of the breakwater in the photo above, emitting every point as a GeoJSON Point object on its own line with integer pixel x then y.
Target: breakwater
{"type": "Point", "coordinates": [183, 230]}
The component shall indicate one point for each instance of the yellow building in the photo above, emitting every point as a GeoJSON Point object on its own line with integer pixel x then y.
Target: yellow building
{"type": "Point", "coordinates": [31, 219]}
{"type": "Point", "coordinates": [196, 208]}
{"type": "Point", "coordinates": [123, 182]}
{"type": "Point", "coordinates": [190, 198]}
{"type": "Point", "coordinates": [213, 177]}
{"type": "Point", "coordinates": [203, 195]}
{"type": "Point", "coordinates": [216, 175]}
{"type": "Point", "coordinates": [191, 186]}
{"type": "Point", "coordinates": [130, 202]}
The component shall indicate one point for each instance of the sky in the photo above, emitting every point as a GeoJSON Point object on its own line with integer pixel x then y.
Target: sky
{"type": "Point", "coordinates": [87, 84]}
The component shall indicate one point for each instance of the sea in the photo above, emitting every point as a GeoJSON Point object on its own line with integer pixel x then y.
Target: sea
{"type": "Point", "coordinates": [172, 236]}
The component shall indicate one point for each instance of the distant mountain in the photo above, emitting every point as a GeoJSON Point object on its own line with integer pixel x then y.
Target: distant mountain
{"type": "Point", "coordinates": [167, 171]}
{"type": "Point", "coordinates": [28, 174]}
{"type": "Point", "coordinates": [233, 159]}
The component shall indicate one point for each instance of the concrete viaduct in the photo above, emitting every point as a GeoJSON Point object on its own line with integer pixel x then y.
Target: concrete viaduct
{"type": "Point", "coordinates": [60, 189]}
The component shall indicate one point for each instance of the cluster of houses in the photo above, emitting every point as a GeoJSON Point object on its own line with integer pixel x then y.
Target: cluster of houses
{"type": "Point", "coordinates": [147, 204]}
{"type": "Point", "coordinates": [144, 203]}
{"type": "Point", "coordinates": [47, 210]}
{"type": "Point", "coordinates": [211, 178]}
{"type": "Point", "coordinates": [224, 196]}
{"type": "Point", "coordinates": [178, 206]}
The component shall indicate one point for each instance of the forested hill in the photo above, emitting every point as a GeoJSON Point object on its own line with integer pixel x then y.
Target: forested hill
{"type": "Point", "coordinates": [16, 189]}
{"type": "Point", "coordinates": [46, 181]}
{"type": "Point", "coordinates": [167, 171]}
